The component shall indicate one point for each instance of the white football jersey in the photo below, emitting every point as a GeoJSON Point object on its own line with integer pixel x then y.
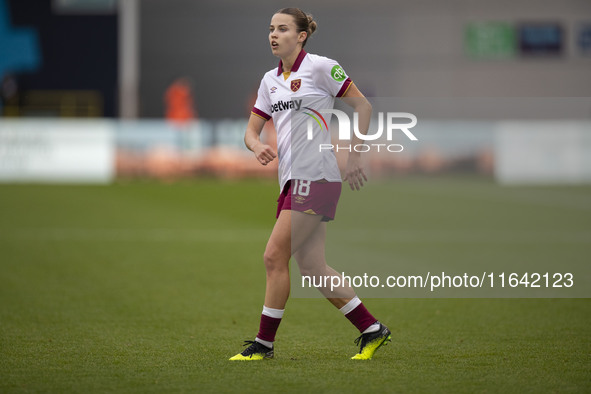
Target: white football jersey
{"type": "Point", "coordinates": [294, 100]}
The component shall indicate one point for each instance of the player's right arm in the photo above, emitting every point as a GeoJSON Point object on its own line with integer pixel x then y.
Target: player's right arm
{"type": "Point", "coordinates": [252, 138]}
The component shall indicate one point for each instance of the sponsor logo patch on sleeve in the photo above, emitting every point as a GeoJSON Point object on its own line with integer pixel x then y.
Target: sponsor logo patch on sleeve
{"type": "Point", "coordinates": [338, 74]}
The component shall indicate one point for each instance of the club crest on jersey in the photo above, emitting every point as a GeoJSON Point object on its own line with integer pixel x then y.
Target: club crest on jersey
{"type": "Point", "coordinates": [295, 85]}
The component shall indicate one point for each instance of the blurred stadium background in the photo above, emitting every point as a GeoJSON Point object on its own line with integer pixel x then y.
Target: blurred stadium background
{"type": "Point", "coordinates": [122, 121]}
{"type": "Point", "coordinates": [163, 89]}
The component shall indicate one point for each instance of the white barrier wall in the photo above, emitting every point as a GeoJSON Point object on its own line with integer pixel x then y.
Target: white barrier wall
{"type": "Point", "coordinates": [56, 151]}
{"type": "Point", "coordinates": [53, 150]}
{"type": "Point", "coordinates": [549, 152]}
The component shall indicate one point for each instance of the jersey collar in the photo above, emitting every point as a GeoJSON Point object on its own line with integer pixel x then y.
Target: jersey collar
{"type": "Point", "coordinates": [296, 64]}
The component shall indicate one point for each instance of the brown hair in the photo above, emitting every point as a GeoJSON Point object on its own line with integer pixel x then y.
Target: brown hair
{"type": "Point", "coordinates": [304, 22]}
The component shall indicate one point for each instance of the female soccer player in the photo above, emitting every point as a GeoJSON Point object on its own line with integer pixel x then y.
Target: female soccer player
{"type": "Point", "coordinates": [299, 88]}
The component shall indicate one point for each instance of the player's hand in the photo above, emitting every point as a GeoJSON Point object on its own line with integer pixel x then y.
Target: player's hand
{"type": "Point", "coordinates": [264, 153]}
{"type": "Point", "coordinates": [354, 173]}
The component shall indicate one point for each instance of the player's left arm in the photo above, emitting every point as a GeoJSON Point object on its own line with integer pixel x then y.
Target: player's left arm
{"type": "Point", "coordinates": [354, 173]}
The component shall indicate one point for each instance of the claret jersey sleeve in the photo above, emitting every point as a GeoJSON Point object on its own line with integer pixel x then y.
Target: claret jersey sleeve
{"type": "Point", "coordinates": [262, 106]}
{"type": "Point", "coordinates": [330, 76]}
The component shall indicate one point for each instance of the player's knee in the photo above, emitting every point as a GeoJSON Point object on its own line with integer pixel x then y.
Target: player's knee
{"type": "Point", "coordinates": [275, 260]}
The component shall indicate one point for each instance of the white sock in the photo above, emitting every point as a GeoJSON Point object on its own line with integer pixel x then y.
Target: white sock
{"type": "Point", "coordinates": [354, 303]}
{"type": "Point", "coordinates": [373, 328]}
{"type": "Point", "coordinates": [266, 343]}
{"type": "Point", "coordinates": [274, 313]}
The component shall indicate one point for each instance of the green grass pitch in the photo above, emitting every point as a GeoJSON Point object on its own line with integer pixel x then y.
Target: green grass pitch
{"type": "Point", "coordinates": [147, 287]}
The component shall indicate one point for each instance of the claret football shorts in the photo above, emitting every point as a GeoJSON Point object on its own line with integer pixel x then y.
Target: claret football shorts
{"type": "Point", "coordinates": [311, 197]}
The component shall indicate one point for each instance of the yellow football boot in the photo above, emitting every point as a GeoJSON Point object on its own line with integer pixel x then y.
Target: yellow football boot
{"type": "Point", "coordinates": [370, 342]}
{"type": "Point", "coordinates": [256, 351]}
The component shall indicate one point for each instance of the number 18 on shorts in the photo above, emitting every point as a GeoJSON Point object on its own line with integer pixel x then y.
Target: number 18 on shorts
{"type": "Point", "coordinates": [311, 197]}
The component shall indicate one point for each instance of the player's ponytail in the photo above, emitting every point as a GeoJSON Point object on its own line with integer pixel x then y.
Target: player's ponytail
{"type": "Point", "coordinates": [304, 22]}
